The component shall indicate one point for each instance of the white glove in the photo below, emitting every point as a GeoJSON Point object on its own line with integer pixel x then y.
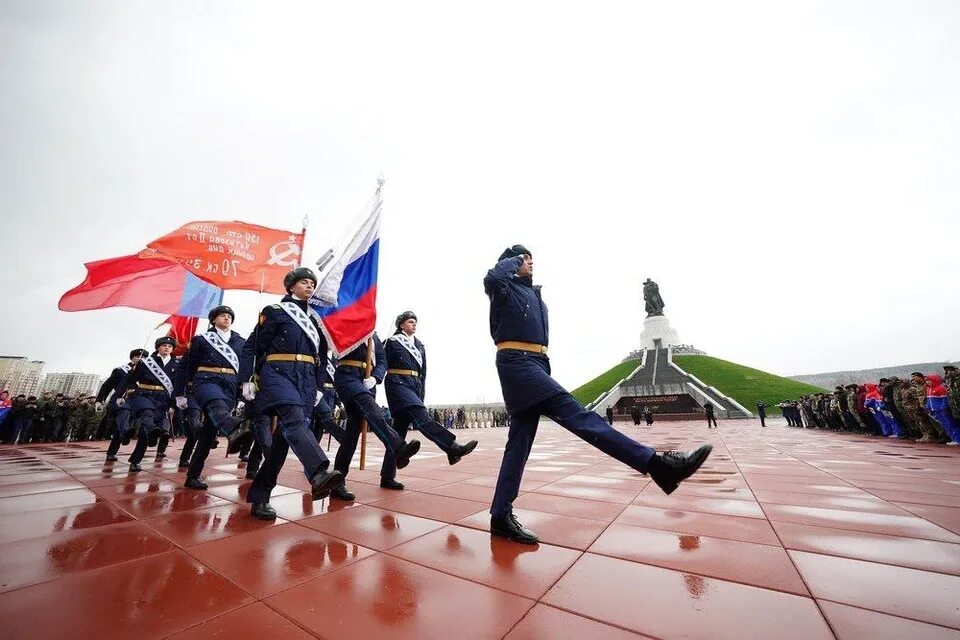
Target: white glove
{"type": "Point", "coordinates": [370, 382]}
{"type": "Point", "coordinates": [98, 406]}
{"type": "Point", "coordinates": [247, 391]}
{"type": "Point", "coordinates": [121, 402]}
{"type": "Point", "coordinates": [181, 402]}
{"type": "Point", "coordinates": [319, 398]}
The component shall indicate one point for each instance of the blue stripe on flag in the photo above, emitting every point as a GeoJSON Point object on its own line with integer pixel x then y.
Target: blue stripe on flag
{"type": "Point", "coordinates": [199, 296]}
{"type": "Point", "coordinates": [358, 278]}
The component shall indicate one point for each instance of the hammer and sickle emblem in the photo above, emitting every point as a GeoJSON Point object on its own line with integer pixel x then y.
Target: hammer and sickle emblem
{"type": "Point", "coordinates": [285, 253]}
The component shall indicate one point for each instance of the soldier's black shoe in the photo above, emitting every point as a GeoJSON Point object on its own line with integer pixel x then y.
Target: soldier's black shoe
{"type": "Point", "coordinates": [237, 438]}
{"type": "Point", "coordinates": [195, 483]}
{"type": "Point", "coordinates": [134, 467]}
{"type": "Point", "coordinates": [251, 474]}
{"type": "Point", "coordinates": [160, 456]}
{"type": "Point", "coordinates": [214, 443]}
{"type": "Point", "coordinates": [112, 458]}
{"type": "Point", "coordinates": [406, 451]}
{"type": "Point", "coordinates": [460, 450]}
{"type": "Point", "coordinates": [263, 511]}
{"type": "Point", "coordinates": [154, 437]}
{"type": "Point", "coordinates": [511, 528]}
{"type": "Point", "coordinates": [670, 468]}
{"type": "Point", "coordinates": [183, 464]}
{"type": "Point", "coordinates": [391, 484]}
{"type": "Point", "coordinates": [342, 493]}
{"type": "Point", "coordinates": [325, 482]}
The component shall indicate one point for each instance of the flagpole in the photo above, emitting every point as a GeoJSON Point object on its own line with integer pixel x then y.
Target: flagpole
{"type": "Point", "coordinates": [363, 424]}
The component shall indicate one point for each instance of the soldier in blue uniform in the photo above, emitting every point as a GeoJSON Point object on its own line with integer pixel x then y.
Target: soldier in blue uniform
{"type": "Point", "coordinates": [357, 391]}
{"type": "Point", "coordinates": [150, 387]}
{"type": "Point", "coordinates": [287, 353]}
{"type": "Point", "coordinates": [118, 415]}
{"type": "Point", "coordinates": [520, 329]}
{"type": "Point", "coordinates": [406, 388]}
{"type": "Point", "coordinates": [210, 372]}
{"type": "Point", "coordinates": [323, 412]}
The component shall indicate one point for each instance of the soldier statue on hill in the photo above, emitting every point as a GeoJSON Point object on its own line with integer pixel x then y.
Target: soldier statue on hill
{"type": "Point", "coordinates": [651, 297]}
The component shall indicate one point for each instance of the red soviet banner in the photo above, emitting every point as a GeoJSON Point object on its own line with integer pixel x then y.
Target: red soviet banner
{"type": "Point", "coordinates": [232, 255]}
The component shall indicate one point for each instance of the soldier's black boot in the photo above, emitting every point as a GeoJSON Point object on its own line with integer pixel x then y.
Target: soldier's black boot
{"type": "Point", "coordinates": [195, 483]}
{"type": "Point", "coordinates": [670, 468]}
{"type": "Point", "coordinates": [511, 528]}
{"type": "Point", "coordinates": [342, 493]}
{"type": "Point", "coordinates": [263, 511]}
{"type": "Point", "coordinates": [460, 450]}
{"type": "Point", "coordinates": [238, 438]}
{"type": "Point", "coordinates": [391, 484]}
{"type": "Point", "coordinates": [325, 482]}
{"type": "Point", "coordinates": [406, 451]}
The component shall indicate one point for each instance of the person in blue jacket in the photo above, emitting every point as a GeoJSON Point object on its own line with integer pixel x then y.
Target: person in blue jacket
{"type": "Point", "coordinates": [119, 415]}
{"type": "Point", "coordinates": [520, 329]}
{"type": "Point", "coordinates": [357, 391]}
{"type": "Point", "coordinates": [405, 385]}
{"type": "Point", "coordinates": [209, 374]}
{"type": "Point", "coordinates": [150, 389]}
{"type": "Point", "coordinates": [287, 353]}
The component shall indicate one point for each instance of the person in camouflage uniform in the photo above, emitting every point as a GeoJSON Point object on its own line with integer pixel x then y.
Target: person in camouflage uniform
{"type": "Point", "coordinates": [852, 408]}
{"type": "Point", "coordinates": [951, 376]}
{"type": "Point", "coordinates": [899, 388]}
{"type": "Point", "coordinates": [914, 401]}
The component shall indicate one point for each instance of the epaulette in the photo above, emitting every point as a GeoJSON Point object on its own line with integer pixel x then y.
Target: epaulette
{"type": "Point", "coordinates": [275, 306]}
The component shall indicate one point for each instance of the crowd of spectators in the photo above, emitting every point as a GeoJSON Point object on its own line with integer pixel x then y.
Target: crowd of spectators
{"type": "Point", "coordinates": [473, 418]}
{"type": "Point", "coordinates": [50, 418]}
{"type": "Point", "coordinates": [925, 408]}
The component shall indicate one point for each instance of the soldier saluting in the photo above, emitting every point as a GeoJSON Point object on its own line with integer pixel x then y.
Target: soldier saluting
{"type": "Point", "coordinates": [520, 329]}
{"type": "Point", "coordinates": [150, 387]}
{"type": "Point", "coordinates": [287, 353]}
{"type": "Point", "coordinates": [209, 371]}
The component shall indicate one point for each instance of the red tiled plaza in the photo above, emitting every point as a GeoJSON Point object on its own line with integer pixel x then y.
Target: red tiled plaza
{"type": "Point", "coordinates": [784, 533]}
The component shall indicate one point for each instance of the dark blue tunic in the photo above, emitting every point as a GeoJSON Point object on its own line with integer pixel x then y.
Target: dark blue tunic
{"type": "Point", "coordinates": [111, 383]}
{"type": "Point", "coordinates": [518, 313]}
{"type": "Point", "coordinates": [142, 399]}
{"type": "Point", "coordinates": [402, 390]}
{"type": "Point", "coordinates": [207, 386]}
{"type": "Point", "coordinates": [283, 382]}
{"type": "Point", "coordinates": [349, 380]}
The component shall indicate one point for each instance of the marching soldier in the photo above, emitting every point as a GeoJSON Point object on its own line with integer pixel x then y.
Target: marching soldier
{"type": "Point", "coordinates": [210, 373]}
{"type": "Point", "coordinates": [357, 391]}
{"type": "Point", "coordinates": [150, 389]}
{"type": "Point", "coordinates": [281, 365]}
{"type": "Point", "coordinates": [119, 414]}
{"type": "Point", "coordinates": [519, 327]}
{"type": "Point", "coordinates": [192, 423]}
{"type": "Point", "coordinates": [406, 388]}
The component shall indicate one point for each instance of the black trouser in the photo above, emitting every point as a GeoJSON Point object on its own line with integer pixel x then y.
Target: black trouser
{"type": "Point", "coordinates": [121, 422]}
{"type": "Point", "coordinates": [150, 420]}
{"type": "Point", "coordinates": [711, 420]}
{"type": "Point", "coordinates": [418, 417]}
{"type": "Point", "coordinates": [192, 425]}
{"type": "Point", "coordinates": [218, 420]}
{"type": "Point", "coordinates": [359, 407]}
{"type": "Point", "coordinates": [763, 420]}
{"type": "Point", "coordinates": [292, 433]}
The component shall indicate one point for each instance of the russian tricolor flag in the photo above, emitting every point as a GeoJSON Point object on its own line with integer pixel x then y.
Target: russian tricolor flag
{"type": "Point", "coordinates": [346, 297]}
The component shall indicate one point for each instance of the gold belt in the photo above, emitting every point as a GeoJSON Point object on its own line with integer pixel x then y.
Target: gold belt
{"type": "Point", "coordinates": [522, 346]}
{"type": "Point", "coordinates": [150, 387]}
{"type": "Point", "coordinates": [404, 372]}
{"type": "Point", "coordinates": [225, 370]}
{"type": "Point", "coordinates": [352, 363]}
{"type": "Point", "coordinates": [291, 357]}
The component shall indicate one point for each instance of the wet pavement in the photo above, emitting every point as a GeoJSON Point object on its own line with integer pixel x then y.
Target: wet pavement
{"type": "Point", "coordinates": [784, 533]}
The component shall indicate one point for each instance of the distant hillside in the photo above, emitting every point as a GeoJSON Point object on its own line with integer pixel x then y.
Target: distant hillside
{"type": "Point", "coordinates": [588, 392]}
{"type": "Point", "coordinates": [833, 378]}
{"type": "Point", "coordinates": [744, 384]}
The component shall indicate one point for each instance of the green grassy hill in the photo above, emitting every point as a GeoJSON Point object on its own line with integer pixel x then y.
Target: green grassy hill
{"type": "Point", "coordinates": [743, 384]}
{"type": "Point", "coordinates": [589, 391]}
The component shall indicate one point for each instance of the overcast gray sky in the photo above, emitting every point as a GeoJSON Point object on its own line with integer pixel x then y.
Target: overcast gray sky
{"type": "Point", "coordinates": [786, 171]}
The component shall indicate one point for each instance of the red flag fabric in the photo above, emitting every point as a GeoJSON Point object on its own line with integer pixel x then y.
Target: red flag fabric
{"type": "Point", "coordinates": [232, 255]}
{"type": "Point", "coordinates": [182, 329]}
{"type": "Point", "coordinates": [152, 285]}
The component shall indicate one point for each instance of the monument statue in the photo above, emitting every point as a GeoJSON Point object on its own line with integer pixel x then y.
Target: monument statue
{"type": "Point", "coordinates": [651, 297]}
